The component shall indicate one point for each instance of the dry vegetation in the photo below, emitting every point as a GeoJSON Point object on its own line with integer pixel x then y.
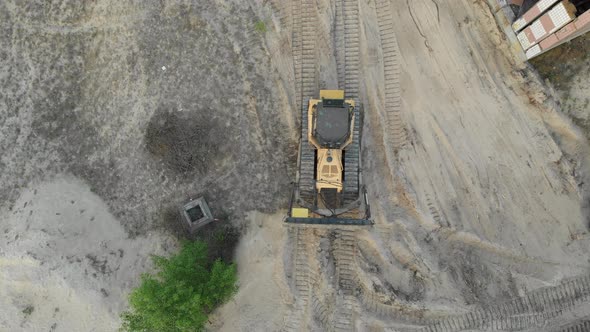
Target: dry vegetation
{"type": "Point", "coordinates": [185, 142]}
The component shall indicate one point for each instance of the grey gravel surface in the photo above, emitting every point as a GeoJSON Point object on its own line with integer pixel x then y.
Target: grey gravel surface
{"type": "Point", "coordinates": [83, 83]}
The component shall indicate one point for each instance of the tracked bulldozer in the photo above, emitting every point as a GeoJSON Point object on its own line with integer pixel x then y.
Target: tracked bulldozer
{"type": "Point", "coordinates": [329, 189]}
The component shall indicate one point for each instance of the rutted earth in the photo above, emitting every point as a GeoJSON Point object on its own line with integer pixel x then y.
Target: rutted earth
{"type": "Point", "coordinates": [113, 114]}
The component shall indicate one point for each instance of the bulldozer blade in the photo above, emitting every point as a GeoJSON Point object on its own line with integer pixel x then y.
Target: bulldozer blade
{"type": "Point", "coordinates": [328, 221]}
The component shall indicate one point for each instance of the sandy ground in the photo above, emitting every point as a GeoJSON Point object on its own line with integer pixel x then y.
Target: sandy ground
{"type": "Point", "coordinates": [87, 84]}
{"type": "Point", "coordinates": [87, 190]}
{"type": "Point", "coordinates": [260, 302]}
{"type": "Point", "coordinates": [485, 201]}
{"type": "Point", "coordinates": [66, 263]}
{"type": "Point", "coordinates": [482, 154]}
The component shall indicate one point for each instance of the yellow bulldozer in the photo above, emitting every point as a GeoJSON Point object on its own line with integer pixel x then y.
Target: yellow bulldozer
{"type": "Point", "coordinates": [329, 188]}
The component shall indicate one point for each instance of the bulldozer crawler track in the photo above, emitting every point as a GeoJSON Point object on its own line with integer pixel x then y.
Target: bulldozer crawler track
{"type": "Point", "coordinates": [352, 162]}
{"type": "Point", "coordinates": [395, 129]}
{"type": "Point", "coordinates": [305, 68]}
{"type": "Point", "coordinates": [534, 309]}
{"type": "Point", "coordinates": [347, 36]}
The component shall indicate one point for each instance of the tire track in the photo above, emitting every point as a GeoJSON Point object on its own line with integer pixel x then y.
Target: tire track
{"type": "Point", "coordinates": [378, 304]}
{"type": "Point", "coordinates": [582, 325]}
{"type": "Point", "coordinates": [532, 310]}
{"type": "Point", "coordinates": [321, 313]}
{"type": "Point", "coordinates": [347, 46]}
{"type": "Point", "coordinates": [396, 134]}
{"type": "Point", "coordinates": [344, 252]}
{"type": "Point", "coordinates": [434, 212]}
{"type": "Point", "coordinates": [350, 9]}
{"type": "Point", "coordinates": [339, 43]}
{"type": "Point", "coordinates": [303, 276]}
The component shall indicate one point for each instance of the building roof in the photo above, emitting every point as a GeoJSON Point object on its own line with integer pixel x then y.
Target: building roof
{"type": "Point", "coordinates": [526, 5]}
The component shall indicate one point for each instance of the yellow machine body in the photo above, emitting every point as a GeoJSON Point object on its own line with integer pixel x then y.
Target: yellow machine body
{"type": "Point", "coordinates": [329, 166]}
{"type": "Point", "coordinates": [300, 213]}
{"type": "Point", "coordinates": [329, 188]}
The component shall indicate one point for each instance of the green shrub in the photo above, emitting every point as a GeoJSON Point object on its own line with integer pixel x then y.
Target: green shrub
{"type": "Point", "coordinates": [260, 26]}
{"type": "Point", "coordinates": [182, 293]}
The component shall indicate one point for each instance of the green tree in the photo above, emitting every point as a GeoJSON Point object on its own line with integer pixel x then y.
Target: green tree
{"type": "Point", "coordinates": [184, 291]}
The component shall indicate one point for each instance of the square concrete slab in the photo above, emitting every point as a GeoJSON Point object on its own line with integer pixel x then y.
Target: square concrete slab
{"type": "Point", "coordinates": [196, 214]}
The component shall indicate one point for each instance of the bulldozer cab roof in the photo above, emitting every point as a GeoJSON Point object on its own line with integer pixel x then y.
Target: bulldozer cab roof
{"type": "Point", "coordinates": [332, 127]}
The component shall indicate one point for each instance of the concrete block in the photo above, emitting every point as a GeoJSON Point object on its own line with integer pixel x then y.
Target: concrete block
{"type": "Point", "coordinates": [196, 214]}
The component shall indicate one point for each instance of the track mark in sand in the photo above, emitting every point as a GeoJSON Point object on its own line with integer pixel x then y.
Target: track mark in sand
{"type": "Point", "coordinates": [393, 255]}
{"type": "Point", "coordinates": [582, 325]}
{"type": "Point", "coordinates": [339, 43]}
{"type": "Point", "coordinates": [380, 305]}
{"type": "Point", "coordinates": [283, 13]}
{"type": "Point", "coordinates": [533, 310]}
{"type": "Point", "coordinates": [303, 43]}
{"type": "Point", "coordinates": [344, 252]}
{"type": "Point", "coordinates": [351, 36]}
{"type": "Point", "coordinates": [498, 254]}
{"type": "Point", "coordinates": [321, 312]}
{"type": "Point", "coordinates": [396, 131]}
{"type": "Point", "coordinates": [437, 10]}
{"type": "Point", "coordinates": [347, 40]}
{"type": "Point", "coordinates": [435, 214]}
{"type": "Point", "coordinates": [418, 27]}
{"type": "Point", "coordinates": [384, 305]}
{"type": "Point", "coordinates": [303, 279]}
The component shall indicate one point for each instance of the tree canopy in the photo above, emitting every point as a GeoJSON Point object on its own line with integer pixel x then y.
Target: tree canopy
{"type": "Point", "coordinates": [185, 289]}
